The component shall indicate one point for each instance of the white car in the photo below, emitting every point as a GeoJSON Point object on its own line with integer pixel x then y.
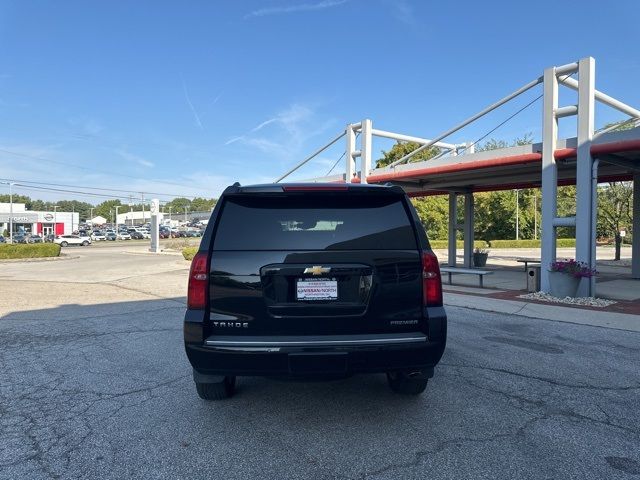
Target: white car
{"type": "Point", "coordinates": [66, 240]}
{"type": "Point", "coordinates": [98, 237]}
{"type": "Point", "coordinates": [123, 236]}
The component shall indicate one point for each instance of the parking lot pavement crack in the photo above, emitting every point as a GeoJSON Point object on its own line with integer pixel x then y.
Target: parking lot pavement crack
{"type": "Point", "coordinates": [545, 379]}
{"type": "Point", "coordinates": [144, 292]}
{"type": "Point", "coordinates": [548, 410]}
{"type": "Point", "coordinates": [420, 455]}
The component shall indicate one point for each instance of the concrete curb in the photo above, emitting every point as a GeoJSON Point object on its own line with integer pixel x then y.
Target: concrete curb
{"type": "Point", "coordinates": [618, 321]}
{"type": "Point", "coordinates": [39, 259]}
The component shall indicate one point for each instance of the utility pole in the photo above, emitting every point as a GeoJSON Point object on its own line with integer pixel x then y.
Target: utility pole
{"type": "Point", "coordinates": [142, 197]}
{"type": "Point", "coordinates": [170, 207]}
{"type": "Point", "coordinates": [185, 213]}
{"type": "Point", "coordinates": [91, 214]}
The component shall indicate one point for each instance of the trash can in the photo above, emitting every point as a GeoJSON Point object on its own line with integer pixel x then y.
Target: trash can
{"type": "Point", "coordinates": [533, 278]}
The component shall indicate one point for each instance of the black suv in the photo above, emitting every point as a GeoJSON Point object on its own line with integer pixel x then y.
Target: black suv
{"type": "Point", "coordinates": [321, 280]}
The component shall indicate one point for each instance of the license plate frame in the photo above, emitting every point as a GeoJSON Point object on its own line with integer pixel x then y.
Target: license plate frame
{"type": "Point", "coordinates": [316, 289]}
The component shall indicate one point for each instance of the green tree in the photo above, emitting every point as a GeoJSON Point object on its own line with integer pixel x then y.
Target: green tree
{"type": "Point", "coordinates": [434, 213]}
{"type": "Point", "coordinates": [615, 206]}
{"type": "Point", "coordinates": [199, 204]}
{"type": "Point", "coordinates": [400, 149]}
{"type": "Point", "coordinates": [106, 209]}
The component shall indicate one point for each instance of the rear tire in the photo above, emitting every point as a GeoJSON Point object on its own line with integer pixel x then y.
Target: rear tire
{"type": "Point", "coordinates": [64, 244]}
{"type": "Point", "coordinates": [217, 391]}
{"type": "Point", "coordinates": [85, 243]}
{"type": "Point", "coordinates": [407, 383]}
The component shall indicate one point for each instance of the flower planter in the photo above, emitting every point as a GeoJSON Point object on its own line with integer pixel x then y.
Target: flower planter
{"type": "Point", "coordinates": [563, 284]}
{"type": "Point", "coordinates": [480, 259]}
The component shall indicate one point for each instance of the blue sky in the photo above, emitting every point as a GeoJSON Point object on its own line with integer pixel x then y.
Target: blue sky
{"type": "Point", "coordinates": [184, 98]}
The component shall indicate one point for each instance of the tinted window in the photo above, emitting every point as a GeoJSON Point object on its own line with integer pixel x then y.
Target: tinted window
{"type": "Point", "coordinates": [314, 222]}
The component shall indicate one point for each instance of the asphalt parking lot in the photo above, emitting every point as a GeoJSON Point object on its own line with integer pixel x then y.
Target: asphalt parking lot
{"type": "Point", "coordinates": [94, 383]}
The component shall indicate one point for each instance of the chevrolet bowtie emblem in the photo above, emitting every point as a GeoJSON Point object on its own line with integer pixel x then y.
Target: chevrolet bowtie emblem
{"type": "Point", "coordinates": [317, 270]}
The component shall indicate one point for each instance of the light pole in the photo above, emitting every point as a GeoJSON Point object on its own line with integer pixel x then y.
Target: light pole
{"type": "Point", "coordinates": [117, 207]}
{"type": "Point", "coordinates": [91, 214]}
{"type": "Point", "coordinates": [185, 214]}
{"type": "Point", "coordinates": [55, 220]}
{"type": "Point", "coordinates": [170, 207]}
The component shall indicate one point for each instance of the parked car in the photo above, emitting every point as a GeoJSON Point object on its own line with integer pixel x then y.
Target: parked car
{"type": "Point", "coordinates": [66, 240]}
{"type": "Point", "coordinates": [2, 239]}
{"type": "Point", "coordinates": [49, 238]}
{"type": "Point", "coordinates": [135, 235]}
{"type": "Point", "coordinates": [98, 237]}
{"type": "Point", "coordinates": [164, 234]}
{"type": "Point", "coordinates": [19, 238]}
{"type": "Point", "coordinates": [123, 235]}
{"type": "Point", "coordinates": [193, 233]}
{"type": "Point", "coordinates": [34, 239]}
{"type": "Point", "coordinates": [322, 280]}
{"type": "Point", "coordinates": [111, 236]}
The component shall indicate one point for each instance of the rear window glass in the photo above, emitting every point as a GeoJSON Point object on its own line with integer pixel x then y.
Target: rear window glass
{"type": "Point", "coordinates": [320, 222]}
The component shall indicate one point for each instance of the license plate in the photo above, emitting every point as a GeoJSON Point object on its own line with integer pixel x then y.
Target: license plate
{"type": "Point", "coordinates": [319, 289]}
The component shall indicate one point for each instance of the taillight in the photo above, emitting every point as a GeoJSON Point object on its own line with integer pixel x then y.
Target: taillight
{"type": "Point", "coordinates": [198, 282]}
{"type": "Point", "coordinates": [431, 281]}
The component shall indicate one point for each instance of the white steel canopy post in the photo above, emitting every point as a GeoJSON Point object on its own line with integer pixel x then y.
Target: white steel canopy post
{"type": "Point", "coordinates": [468, 230]}
{"type": "Point", "coordinates": [585, 230]}
{"type": "Point", "coordinates": [453, 227]}
{"type": "Point", "coordinates": [351, 146]}
{"type": "Point", "coordinates": [635, 242]}
{"type": "Point", "coordinates": [549, 176]}
{"type": "Point", "coordinates": [365, 150]}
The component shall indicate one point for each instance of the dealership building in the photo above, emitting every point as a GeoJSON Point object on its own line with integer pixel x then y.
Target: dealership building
{"type": "Point", "coordinates": [31, 221]}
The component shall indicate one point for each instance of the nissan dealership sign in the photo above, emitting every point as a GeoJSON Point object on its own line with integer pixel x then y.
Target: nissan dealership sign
{"type": "Point", "coordinates": [21, 217]}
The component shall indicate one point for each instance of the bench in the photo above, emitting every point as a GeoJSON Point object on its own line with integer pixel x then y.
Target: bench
{"type": "Point", "coordinates": [527, 261]}
{"type": "Point", "coordinates": [471, 271]}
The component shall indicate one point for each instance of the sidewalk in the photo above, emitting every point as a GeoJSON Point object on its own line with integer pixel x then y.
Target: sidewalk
{"type": "Point", "coordinates": [489, 300]}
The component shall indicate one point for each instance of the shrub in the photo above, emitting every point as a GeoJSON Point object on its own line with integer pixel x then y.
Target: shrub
{"type": "Point", "coordinates": [29, 250]}
{"type": "Point", "coordinates": [189, 252]}
{"type": "Point", "coordinates": [561, 243]}
{"type": "Point", "coordinates": [459, 244]}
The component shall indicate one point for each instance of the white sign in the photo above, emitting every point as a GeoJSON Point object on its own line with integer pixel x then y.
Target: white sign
{"type": "Point", "coordinates": [623, 233]}
{"type": "Point", "coordinates": [317, 290]}
{"type": "Point", "coordinates": [155, 206]}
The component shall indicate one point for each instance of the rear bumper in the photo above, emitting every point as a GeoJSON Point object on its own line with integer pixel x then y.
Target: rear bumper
{"type": "Point", "coordinates": [309, 355]}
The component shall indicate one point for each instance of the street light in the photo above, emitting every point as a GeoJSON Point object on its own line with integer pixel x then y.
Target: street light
{"type": "Point", "coordinates": [185, 213]}
{"type": "Point", "coordinates": [170, 207]}
{"type": "Point", "coordinates": [55, 220]}
{"type": "Point", "coordinates": [11, 184]}
{"type": "Point", "coordinates": [91, 214]}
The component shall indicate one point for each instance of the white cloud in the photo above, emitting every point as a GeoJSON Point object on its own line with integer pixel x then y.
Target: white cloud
{"type": "Point", "coordinates": [133, 158]}
{"type": "Point", "coordinates": [284, 135]}
{"type": "Point", "coordinates": [295, 8]}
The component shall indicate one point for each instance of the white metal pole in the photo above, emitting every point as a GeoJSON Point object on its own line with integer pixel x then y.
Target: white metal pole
{"type": "Point", "coordinates": [350, 148]}
{"type": "Point", "coordinates": [517, 214]}
{"type": "Point", "coordinates": [55, 221]}
{"type": "Point", "coordinates": [549, 176]}
{"type": "Point", "coordinates": [585, 231]}
{"type": "Point", "coordinates": [365, 150]}
{"type": "Point", "coordinates": [535, 214]}
{"type": "Point", "coordinates": [635, 242]}
{"type": "Point", "coordinates": [453, 228]}
{"type": "Point", "coordinates": [468, 229]}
